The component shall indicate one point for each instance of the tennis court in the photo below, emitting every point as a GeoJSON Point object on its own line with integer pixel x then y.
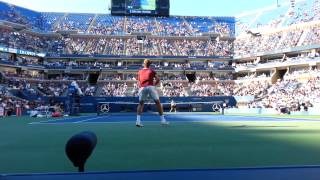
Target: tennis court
{"type": "Point", "coordinates": [173, 117]}
{"type": "Point", "coordinates": [192, 141]}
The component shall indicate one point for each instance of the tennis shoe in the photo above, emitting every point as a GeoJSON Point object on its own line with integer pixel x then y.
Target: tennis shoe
{"type": "Point", "coordinates": [139, 125]}
{"type": "Point", "coordinates": [165, 123]}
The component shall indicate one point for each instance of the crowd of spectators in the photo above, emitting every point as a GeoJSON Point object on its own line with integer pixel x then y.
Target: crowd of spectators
{"type": "Point", "coordinates": [280, 16]}
{"type": "Point", "coordinates": [289, 93]}
{"type": "Point", "coordinates": [114, 89]}
{"type": "Point", "coordinates": [88, 90]}
{"type": "Point", "coordinates": [161, 46]}
{"type": "Point", "coordinates": [74, 22]}
{"type": "Point", "coordinates": [170, 89]}
{"type": "Point", "coordinates": [21, 85]}
{"type": "Point", "coordinates": [114, 46]}
{"type": "Point", "coordinates": [163, 26]}
{"type": "Point", "coordinates": [297, 73]}
{"type": "Point", "coordinates": [243, 46]}
{"type": "Point", "coordinates": [103, 24]}
{"type": "Point", "coordinates": [107, 25]}
{"type": "Point", "coordinates": [21, 75]}
{"type": "Point", "coordinates": [225, 88]}
{"type": "Point", "coordinates": [282, 39]}
{"type": "Point", "coordinates": [116, 77]}
{"type": "Point", "coordinates": [8, 13]}
{"type": "Point", "coordinates": [254, 88]}
{"type": "Point", "coordinates": [28, 60]}
{"type": "Point", "coordinates": [199, 89]}
{"type": "Point", "coordinates": [113, 25]}
{"type": "Point", "coordinates": [304, 12]}
{"type": "Point", "coordinates": [293, 93]}
{"type": "Point", "coordinates": [35, 86]}
{"type": "Point", "coordinates": [67, 77]}
{"type": "Point", "coordinates": [313, 36]}
{"type": "Point", "coordinates": [148, 47]}
{"type": "Point", "coordinates": [163, 77]}
{"type": "Point", "coordinates": [27, 41]}
{"type": "Point", "coordinates": [52, 88]}
{"type": "Point", "coordinates": [89, 64]}
{"type": "Point", "coordinates": [10, 104]}
{"type": "Point", "coordinates": [175, 77]}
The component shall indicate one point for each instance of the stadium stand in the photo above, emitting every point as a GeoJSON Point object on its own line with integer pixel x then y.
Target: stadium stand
{"type": "Point", "coordinates": [278, 16]}
{"type": "Point", "coordinates": [51, 47]}
{"type": "Point", "coordinates": [270, 64]}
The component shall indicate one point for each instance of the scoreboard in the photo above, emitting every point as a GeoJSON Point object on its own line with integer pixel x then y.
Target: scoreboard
{"type": "Point", "coordinates": [140, 7]}
{"type": "Point", "coordinates": [144, 5]}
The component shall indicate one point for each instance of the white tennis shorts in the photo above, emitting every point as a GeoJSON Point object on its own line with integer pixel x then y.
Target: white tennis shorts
{"type": "Point", "coordinates": [147, 93]}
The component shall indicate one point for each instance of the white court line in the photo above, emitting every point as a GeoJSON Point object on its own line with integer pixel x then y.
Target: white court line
{"type": "Point", "coordinates": [123, 122]}
{"type": "Point", "coordinates": [63, 119]}
{"type": "Point", "coordinates": [133, 122]}
{"type": "Point", "coordinates": [56, 121]}
{"type": "Point", "coordinates": [99, 117]}
{"type": "Point", "coordinates": [114, 122]}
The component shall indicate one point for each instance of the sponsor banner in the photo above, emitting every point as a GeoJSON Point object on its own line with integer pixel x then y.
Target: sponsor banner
{"type": "Point", "coordinates": [21, 52]}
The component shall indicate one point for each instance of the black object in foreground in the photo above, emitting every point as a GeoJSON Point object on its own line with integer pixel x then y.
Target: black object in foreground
{"type": "Point", "coordinates": [79, 148]}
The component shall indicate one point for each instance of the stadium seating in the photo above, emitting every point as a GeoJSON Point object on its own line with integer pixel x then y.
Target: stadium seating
{"type": "Point", "coordinates": [279, 16]}
{"type": "Point", "coordinates": [179, 44]}
{"type": "Point", "coordinates": [79, 22]}
{"type": "Point", "coordinates": [291, 37]}
{"type": "Point", "coordinates": [113, 25]}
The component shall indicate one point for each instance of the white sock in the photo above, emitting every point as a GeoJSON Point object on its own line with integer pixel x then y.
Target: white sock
{"type": "Point", "coordinates": [162, 118]}
{"type": "Point", "coordinates": [138, 119]}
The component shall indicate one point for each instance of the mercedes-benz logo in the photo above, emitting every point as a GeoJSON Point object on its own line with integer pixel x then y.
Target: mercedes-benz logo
{"type": "Point", "coordinates": [216, 107]}
{"type": "Point", "coordinates": [104, 108]}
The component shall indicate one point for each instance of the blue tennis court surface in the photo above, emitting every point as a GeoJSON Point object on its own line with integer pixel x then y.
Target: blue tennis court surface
{"type": "Point", "coordinates": [179, 117]}
{"type": "Point", "coordinates": [268, 173]}
{"type": "Point", "coordinates": [276, 173]}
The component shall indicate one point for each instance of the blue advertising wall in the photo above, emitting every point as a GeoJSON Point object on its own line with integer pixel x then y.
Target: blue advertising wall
{"type": "Point", "coordinates": [124, 104]}
{"type": "Point", "coordinates": [89, 104]}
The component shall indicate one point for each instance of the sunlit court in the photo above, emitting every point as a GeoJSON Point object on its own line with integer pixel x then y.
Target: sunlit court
{"type": "Point", "coordinates": [192, 141]}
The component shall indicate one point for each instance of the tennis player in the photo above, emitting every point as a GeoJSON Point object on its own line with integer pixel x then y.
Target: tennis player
{"type": "Point", "coordinates": [147, 80]}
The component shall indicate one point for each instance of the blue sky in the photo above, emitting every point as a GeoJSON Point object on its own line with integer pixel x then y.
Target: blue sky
{"type": "Point", "coordinates": [178, 7]}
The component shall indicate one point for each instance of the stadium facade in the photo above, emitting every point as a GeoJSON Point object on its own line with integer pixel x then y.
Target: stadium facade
{"type": "Point", "coordinates": [273, 65]}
